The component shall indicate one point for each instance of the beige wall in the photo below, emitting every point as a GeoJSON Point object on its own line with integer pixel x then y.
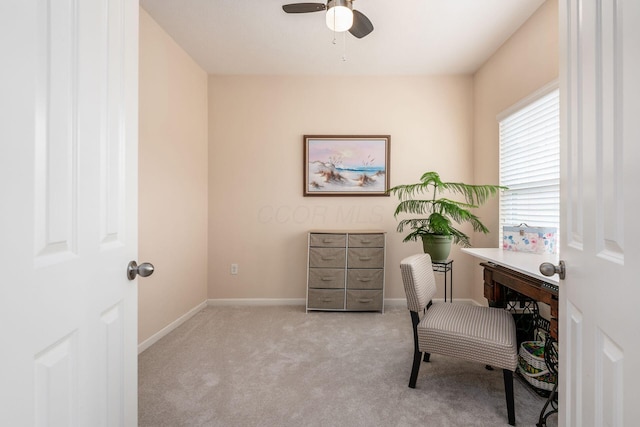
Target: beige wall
{"type": "Point", "coordinates": [172, 180]}
{"type": "Point", "coordinates": [258, 217]}
{"type": "Point", "coordinates": [525, 63]}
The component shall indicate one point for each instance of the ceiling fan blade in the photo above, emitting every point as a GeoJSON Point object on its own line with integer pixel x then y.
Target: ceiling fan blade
{"type": "Point", "coordinates": [361, 25]}
{"type": "Point", "coordinates": [304, 7]}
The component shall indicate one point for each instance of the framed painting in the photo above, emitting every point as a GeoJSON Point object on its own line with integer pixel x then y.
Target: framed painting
{"type": "Point", "coordinates": [339, 165]}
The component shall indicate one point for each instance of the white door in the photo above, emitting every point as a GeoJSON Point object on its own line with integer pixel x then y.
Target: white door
{"type": "Point", "coordinates": [68, 218]}
{"type": "Point", "coordinates": [600, 318]}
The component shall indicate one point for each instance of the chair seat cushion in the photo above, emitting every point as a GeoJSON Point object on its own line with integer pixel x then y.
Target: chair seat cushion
{"type": "Point", "coordinates": [481, 334]}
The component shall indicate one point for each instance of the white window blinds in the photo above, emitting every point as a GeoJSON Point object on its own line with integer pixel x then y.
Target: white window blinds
{"type": "Point", "coordinates": [530, 164]}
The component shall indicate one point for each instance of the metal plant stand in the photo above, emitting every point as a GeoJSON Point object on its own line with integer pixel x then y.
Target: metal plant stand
{"type": "Point", "coordinates": [445, 267]}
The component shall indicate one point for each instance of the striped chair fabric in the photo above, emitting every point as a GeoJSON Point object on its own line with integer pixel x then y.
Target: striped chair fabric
{"type": "Point", "coordinates": [477, 334]}
{"type": "Point", "coordinates": [480, 334]}
{"type": "Point", "coordinates": [419, 281]}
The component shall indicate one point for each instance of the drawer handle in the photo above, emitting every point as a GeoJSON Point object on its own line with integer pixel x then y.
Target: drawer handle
{"type": "Point", "coordinates": [365, 279]}
{"type": "Point", "coordinates": [365, 300]}
{"type": "Point", "coordinates": [327, 279]}
{"type": "Point", "coordinates": [365, 258]}
{"type": "Point", "coordinates": [365, 242]}
{"type": "Point", "coordinates": [328, 258]}
{"type": "Point", "coordinates": [327, 240]}
{"type": "Point", "coordinates": [327, 299]}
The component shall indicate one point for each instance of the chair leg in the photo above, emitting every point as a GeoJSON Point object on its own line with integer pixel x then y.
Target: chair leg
{"type": "Point", "coordinates": [508, 391]}
{"type": "Point", "coordinates": [417, 354]}
{"type": "Point", "coordinates": [426, 357]}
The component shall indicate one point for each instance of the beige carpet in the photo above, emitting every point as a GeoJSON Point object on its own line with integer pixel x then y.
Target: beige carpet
{"type": "Point", "coordinates": [277, 366]}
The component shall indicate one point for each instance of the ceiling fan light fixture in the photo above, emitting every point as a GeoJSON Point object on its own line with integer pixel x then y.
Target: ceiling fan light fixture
{"type": "Point", "coordinates": [339, 15]}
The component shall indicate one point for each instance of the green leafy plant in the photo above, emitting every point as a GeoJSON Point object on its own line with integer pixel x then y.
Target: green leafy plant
{"type": "Point", "coordinates": [441, 213]}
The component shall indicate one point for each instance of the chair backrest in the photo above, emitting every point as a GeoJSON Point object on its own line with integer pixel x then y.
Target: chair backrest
{"type": "Point", "coordinates": [419, 281]}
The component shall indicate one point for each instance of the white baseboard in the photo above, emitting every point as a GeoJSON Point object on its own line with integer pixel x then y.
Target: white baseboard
{"type": "Point", "coordinates": [395, 302]}
{"type": "Point", "coordinates": [255, 301]}
{"type": "Point", "coordinates": [170, 327]}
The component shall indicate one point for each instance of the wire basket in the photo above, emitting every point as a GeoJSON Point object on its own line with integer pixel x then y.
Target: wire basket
{"type": "Point", "coordinates": [532, 366]}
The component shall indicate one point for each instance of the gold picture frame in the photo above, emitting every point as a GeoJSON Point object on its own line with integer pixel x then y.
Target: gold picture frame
{"type": "Point", "coordinates": [346, 165]}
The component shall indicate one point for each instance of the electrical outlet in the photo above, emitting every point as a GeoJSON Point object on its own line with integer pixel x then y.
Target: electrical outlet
{"type": "Point", "coordinates": [234, 268]}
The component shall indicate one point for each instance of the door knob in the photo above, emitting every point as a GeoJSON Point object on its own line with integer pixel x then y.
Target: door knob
{"type": "Point", "coordinates": [549, 269]}
{"type": "Point", "coordinates": [143, 270]}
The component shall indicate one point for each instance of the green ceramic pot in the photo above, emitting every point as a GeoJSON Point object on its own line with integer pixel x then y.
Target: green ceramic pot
{"type": "Point", "coordinates": [437, 246]}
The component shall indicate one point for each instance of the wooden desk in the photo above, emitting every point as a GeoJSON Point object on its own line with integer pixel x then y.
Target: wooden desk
{"type": "Point", "coordinates": [520, 272]}
{"type": "Point", "coordinates": [497, 278]}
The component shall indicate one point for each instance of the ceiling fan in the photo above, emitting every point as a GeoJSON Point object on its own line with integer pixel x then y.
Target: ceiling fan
{"type": "Point", "coordinates": [340, 16]}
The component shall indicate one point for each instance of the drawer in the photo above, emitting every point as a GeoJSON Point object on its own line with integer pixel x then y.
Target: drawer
{"type": "Point", "coordinates": [365, 278]}
{"type": "Point", "coordinates": [366, 240]}
{"type": "Point", "coordinates": [323, 240]}
{"type": "Point", "coordinates": [327, 257]}
{"type": "Point", "coordinates": [364, 300]}
{"type": "Point", "coordinates": [326, 277]}
{"type": "Point", "coordinates": [365, 258]}
{"type": "Point", "coordinates": [330, 299]}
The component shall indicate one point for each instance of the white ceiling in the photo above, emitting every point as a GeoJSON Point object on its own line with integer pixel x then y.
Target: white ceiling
{"type": "Point", "coordinates": [409, 36]}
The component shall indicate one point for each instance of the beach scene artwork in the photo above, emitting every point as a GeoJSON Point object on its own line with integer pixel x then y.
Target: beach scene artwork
{"type": "Point", "coordinates": [346, 165]}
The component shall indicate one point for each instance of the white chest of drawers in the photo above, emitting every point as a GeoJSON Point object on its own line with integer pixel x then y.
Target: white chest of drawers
{"type": "Point", "coordinates": [345, 270]}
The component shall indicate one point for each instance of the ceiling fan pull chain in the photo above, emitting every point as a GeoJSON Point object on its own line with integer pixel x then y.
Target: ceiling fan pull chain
{"type": "Point", "coordinates": [334, 29]}
{"type": "Point", "coordinates": [344, 47]}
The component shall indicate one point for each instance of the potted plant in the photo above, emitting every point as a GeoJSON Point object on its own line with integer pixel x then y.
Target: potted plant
{"type": "Point", "coordinates": [439, 215]}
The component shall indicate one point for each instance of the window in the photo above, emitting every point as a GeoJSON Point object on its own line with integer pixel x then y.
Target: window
{"type": "Point", "coordinates": [530, 161]}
